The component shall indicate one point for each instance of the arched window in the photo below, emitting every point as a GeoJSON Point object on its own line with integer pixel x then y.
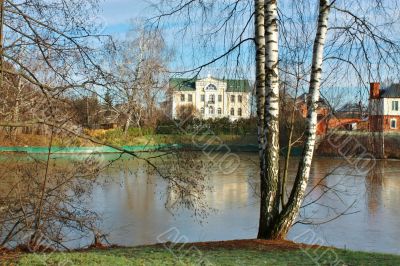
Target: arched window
{"type": "Point", "coordinates": [232, 111]}
{"type": "Point", "coordinates": [202, 110]}
{"type": "Point", "coordinates": [211, 110]}
{"type": "Point", "coordinates": [220, 111]}
{"type": "Point", "coordinates": [232, 98]}
{"type": "Point", "coordinates": [240, 98]}
{"type": "Point", "coordinates": [240, 112]}
{"type": "Point", "coordinates": [211, 87]}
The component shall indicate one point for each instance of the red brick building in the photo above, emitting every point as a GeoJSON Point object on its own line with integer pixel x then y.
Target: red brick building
{"type": "Point", "coordinates": [384, 108]}
{"type": "Point", "coordinates": [323, 111]}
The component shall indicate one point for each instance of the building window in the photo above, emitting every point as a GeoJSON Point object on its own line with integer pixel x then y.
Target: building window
{"type": "Point", "coordinates": [393, 124]}
{"type": "Point", "coordinates": [232, 98]}
{"type": "Point", "coordinates": [240, 112]}
{"type": "Point", "coordinates": [219, 111]}
{"type": "Point", "coordinates": [395, 106]}
{"type": "Point", "coordinates": [190, 97]}
{"type": "Point", "coordinates": [211, 110]}
{"type": "Point", "coordinates": [211, 98]}
{"type": "Point", "coordinates": [240, 98]}
{"type": "Point", "coordinates": [182, 97]}
{"type": "Point", "coordinates": [232, 111]}
{"type": "Point", "coordinates": [220, 98]}
{"type": "Point", "coordinates": [202, 98]}
{"type": "Point", "coordinates": [211, 87]}
{"type": "Point", "coordinates": [202, 110]}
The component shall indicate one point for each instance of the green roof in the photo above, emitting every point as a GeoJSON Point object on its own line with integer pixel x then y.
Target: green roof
{"type": "Point", "coordinates": [181, 84]}
{"type": "Point", "coordinates": [233, 85]}
{"type": "Point", "coordinates": [238, 85]}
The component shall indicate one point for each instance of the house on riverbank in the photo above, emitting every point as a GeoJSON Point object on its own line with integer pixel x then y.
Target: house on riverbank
{"type": "Point", "coordinates": [384, 108]}
{"type": "Point", "coordinates": [211, 97]}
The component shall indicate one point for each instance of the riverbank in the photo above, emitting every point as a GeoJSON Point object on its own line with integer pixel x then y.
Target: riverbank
{"type": "Point", "coordinates": [118, 138]}
{"type": "Point", "coordinates": [360, 144]}
{"type": "Point", "coordinates": [338, 144]}
{"type": "Point", "coordinates": [238, 252]}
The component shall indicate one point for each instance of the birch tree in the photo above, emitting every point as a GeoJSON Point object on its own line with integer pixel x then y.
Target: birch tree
{"type": "Point", "coordinates": [138, 65]}
{"type": "Point", "coordinates": [270, 175]}
{"type": "Point", "coordinates": [289, 212]}
{"type": "Point", "coordinates": [351, 43]}
{"type": "Point", "coordinates": [280, 220]}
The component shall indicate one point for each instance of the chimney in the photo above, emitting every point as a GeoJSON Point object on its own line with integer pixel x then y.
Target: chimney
{"type": "Point", "coordinates": [375, 90]}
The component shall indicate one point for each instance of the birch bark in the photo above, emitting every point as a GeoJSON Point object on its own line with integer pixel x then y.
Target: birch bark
{"type": "Point", "coordinates": [291, 210]}
{"type": "Point", "coordinates": [260, 75]}
{"type": "Point", "coordinates": [269, 207]}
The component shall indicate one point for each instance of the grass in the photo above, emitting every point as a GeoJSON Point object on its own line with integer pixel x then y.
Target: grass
{"type": "Point", "coordinates": [215, 256]}
{"type": "Point", "coordinates": [119, 138]}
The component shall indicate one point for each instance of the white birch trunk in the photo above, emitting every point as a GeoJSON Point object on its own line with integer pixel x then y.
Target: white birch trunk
{"type": "Point", "coordinates": [260, 74]}
{"type": "Point", "coordinates": [260, 88]}
{"type": "Point", "coordinates": [269, 206]}
{"type": "Point", "coordinates": [290, 212]}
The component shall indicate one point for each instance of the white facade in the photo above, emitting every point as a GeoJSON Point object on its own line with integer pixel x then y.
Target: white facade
{"type": "Point", "coordinates": [385, 106]}
{"type": "Point", "coordinates": [213, 98]}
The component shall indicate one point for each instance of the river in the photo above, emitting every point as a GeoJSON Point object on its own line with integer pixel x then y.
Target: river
{"type": "Point", "coordinates": [344, 208]}
{"type": "Point", "coordinates": [358, 211]}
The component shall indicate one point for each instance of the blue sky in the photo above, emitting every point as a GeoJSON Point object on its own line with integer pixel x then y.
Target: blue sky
{"type": "Point", "coordinates": [117, 14]}
{"type": "Point", "coordinates": [188, 52]}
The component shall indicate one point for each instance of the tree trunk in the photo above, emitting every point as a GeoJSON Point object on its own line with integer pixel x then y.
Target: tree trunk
{"type": "Point", "coordinates": [127, 122]}
{"type": "Point", "coordinates": [269, 207]}
{"type": "Point", "coordinates": [290, 128]}
{"type": "Point", "coordinates": [260, 71]}
{"type": "Point", "coordinates": [16, 108]}
{"type": "Point", "coordinates": [260, 79]}
{"type": "Point", "coordinates": [291, 209]}
{"type": "Point", "coordinates": [1, 43]}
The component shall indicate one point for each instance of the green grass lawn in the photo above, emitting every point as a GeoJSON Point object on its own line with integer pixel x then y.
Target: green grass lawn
{"type": "Point", "coordinates": [178, 139]}
{"type": "Point", "coordinates": [218, 256]}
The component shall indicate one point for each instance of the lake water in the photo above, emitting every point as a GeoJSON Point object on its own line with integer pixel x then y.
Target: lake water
{"type": "Point", "coordinates": [363, 208]}
{"type": "Point", "coordinates": [351, 209]}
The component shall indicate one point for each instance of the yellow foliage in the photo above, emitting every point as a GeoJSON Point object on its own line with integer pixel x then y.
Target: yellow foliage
{"type": "Point", "coordinates": [96, 133]}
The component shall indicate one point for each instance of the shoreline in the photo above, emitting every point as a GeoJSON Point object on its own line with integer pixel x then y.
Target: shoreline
{"type": "Point", "coordinates": [133, 148]}
{"type": "Point", "coordinates": [249, 251]}
{"type": "Point", "coordinates": [86, 150]}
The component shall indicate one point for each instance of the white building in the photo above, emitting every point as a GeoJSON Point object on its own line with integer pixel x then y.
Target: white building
{"type": "Point", "coordinates": [384, 108]}
{"type": "Point", "coordinates": [211, 97]}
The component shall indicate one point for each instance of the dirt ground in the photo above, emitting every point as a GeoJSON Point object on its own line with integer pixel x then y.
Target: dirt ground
{"type": "Point", "coordinates": [252, 244]}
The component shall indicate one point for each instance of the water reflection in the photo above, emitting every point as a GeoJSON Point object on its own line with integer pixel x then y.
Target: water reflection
{"type": "Point", "coordinates": [134, 211]}
{"type": "Point", "coordinates": [374, 183]}
{"type": "Point", "coordinates": [132, 204]}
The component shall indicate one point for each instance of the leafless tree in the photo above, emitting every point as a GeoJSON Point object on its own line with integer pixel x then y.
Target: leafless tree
{"type": "Point", "coordinates": [186, 113]}
{"type": "Point", "coordinates": [53, 49]}
{"type": "Point", "coordinates": [138, 64]}
{"type": "Point", "coordinates": [345, 40]}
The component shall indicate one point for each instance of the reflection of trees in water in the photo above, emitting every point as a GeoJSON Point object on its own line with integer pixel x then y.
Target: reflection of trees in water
{"type": "Point", "coordinates": [39, 214]}
{"type": "Point", "coordinates": [332, 193]}
{"type": "Point", "coordinates": [374, 182]}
